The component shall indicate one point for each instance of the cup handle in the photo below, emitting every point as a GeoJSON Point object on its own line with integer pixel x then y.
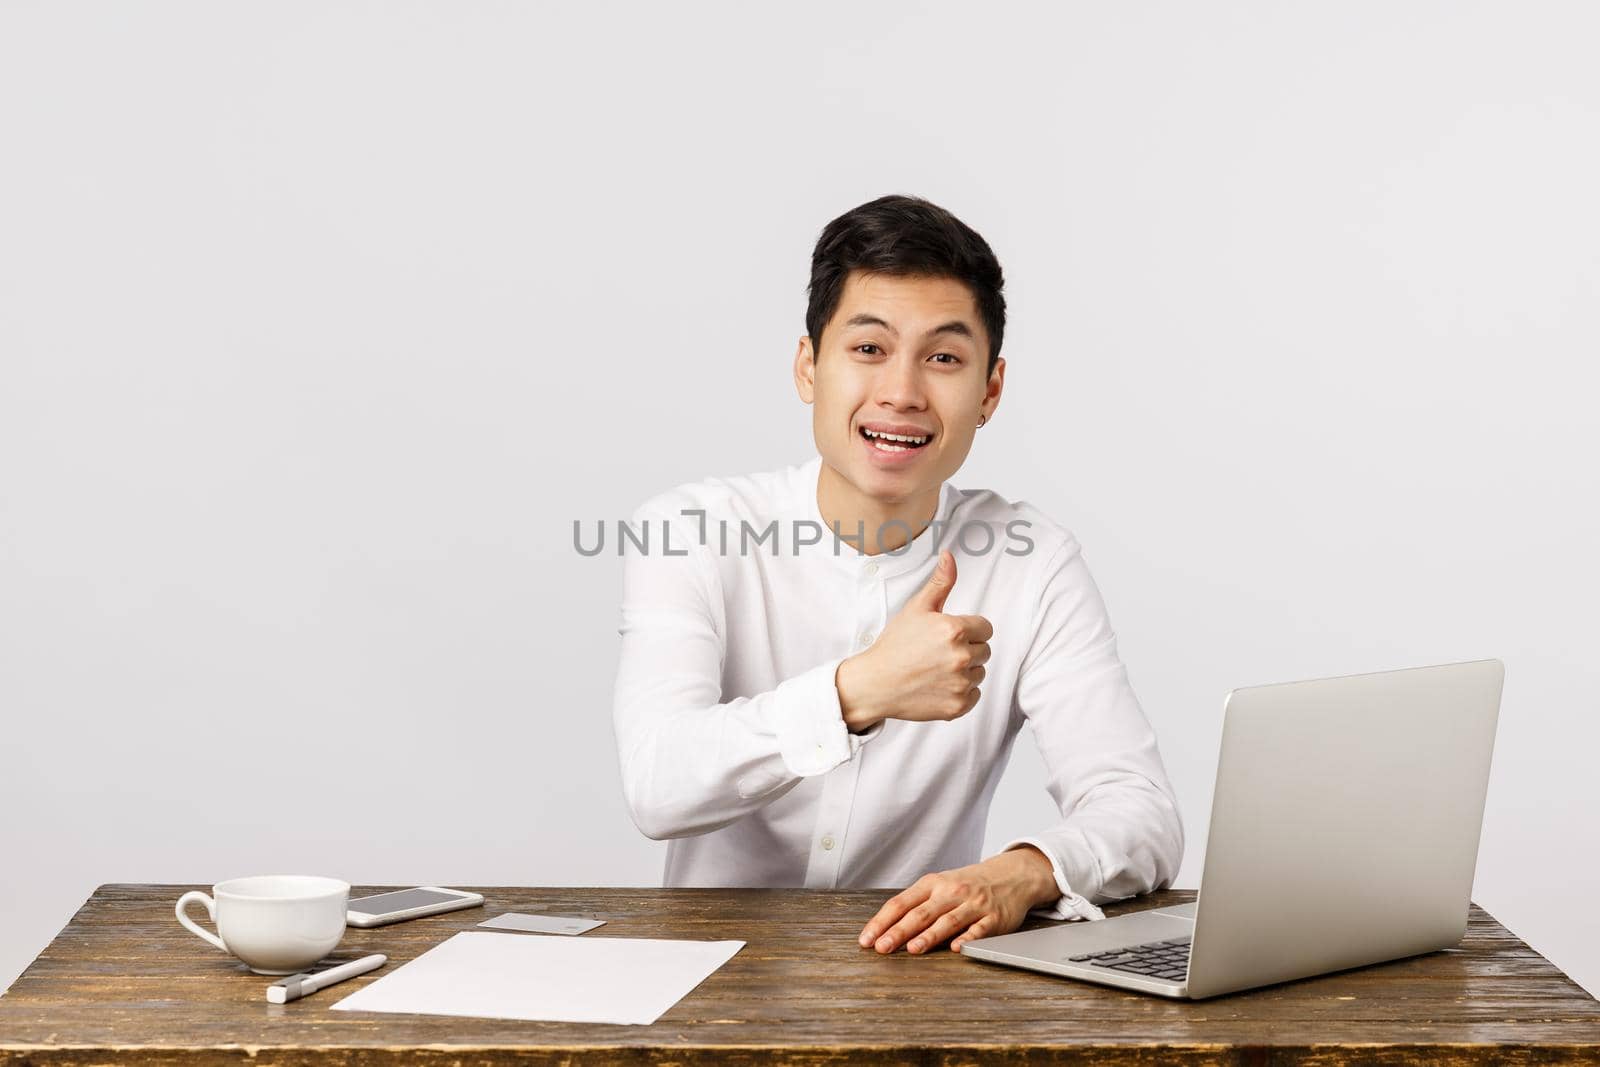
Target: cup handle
{"type": "Point", "coordinates": [193, 897]}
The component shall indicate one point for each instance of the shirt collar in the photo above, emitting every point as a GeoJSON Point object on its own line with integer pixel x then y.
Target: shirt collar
{"type": "Point", "coordinates": [845, 555]}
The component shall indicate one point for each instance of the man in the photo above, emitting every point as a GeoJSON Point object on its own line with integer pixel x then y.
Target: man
{"type": "Point", "coordinates": [836, 710]}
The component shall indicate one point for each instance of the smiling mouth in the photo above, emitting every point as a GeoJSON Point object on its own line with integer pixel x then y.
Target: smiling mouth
{"type": "Point", "coordinates": [893, 442]}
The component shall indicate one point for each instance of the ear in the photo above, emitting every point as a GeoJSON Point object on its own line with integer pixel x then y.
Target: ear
{"type": "Point", "coordinates": [805, 370]}
{"type": "Point", "coordinates": [991, 391]}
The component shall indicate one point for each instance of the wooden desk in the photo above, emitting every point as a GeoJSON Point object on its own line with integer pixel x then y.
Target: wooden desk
{"type": "Point", "coordinates": [124, 983]}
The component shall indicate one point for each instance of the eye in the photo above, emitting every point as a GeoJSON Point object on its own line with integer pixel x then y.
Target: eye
{"type": "Point", "coordinates": [953, 358]}
{"type": "Point", "coordinates": [869, 344]}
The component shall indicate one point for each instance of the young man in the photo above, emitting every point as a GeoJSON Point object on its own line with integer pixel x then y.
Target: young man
{"type": "Point", "coordinates": [824, 667]}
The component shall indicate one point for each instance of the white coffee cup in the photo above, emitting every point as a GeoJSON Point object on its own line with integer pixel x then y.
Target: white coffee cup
{"type": "Point", "coordinates": [275, 923]}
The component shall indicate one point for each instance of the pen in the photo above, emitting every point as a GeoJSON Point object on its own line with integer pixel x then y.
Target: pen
{"type": "Point", "coordinates": [300, 985]}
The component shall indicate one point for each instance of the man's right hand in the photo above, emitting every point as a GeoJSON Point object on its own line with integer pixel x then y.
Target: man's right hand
{"type": "Point", "coordinates": [925, 666]}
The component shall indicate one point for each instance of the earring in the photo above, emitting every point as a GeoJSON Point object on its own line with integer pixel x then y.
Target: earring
{"type": "Point", "coordinates": [982, 419]}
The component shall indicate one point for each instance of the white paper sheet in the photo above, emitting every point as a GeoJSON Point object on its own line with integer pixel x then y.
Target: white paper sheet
{"type": "Point", "coordinates": [554, 979]}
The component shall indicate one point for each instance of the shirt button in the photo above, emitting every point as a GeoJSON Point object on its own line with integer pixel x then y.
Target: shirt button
{"type": "Point", "coordinates": [827, 842]}
{"type": "Point", "coordinates": [872, 568]}
{"type": "Point", "coordinates": [866, 638]}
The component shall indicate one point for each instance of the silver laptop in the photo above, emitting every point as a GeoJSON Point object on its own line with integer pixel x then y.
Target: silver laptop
{"type": "Point", "coordinates": [1344, 832]}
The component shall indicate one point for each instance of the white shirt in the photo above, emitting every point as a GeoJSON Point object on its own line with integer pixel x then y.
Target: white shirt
{"type": "Point", "coordinates": [730, 736]}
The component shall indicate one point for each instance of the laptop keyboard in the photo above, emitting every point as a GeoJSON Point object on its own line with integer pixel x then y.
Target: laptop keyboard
{"type": "Point", "coordinates": [1166, 960]}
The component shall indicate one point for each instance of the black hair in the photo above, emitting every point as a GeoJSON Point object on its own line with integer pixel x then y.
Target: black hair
{"type": "Point", "coordinates": [906, 236]}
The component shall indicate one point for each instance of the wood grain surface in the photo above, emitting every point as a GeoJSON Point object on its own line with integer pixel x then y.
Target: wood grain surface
{"type": "Point", "coordinates": [124, 983]}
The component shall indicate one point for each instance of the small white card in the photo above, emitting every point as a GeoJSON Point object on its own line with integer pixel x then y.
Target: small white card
{"type": "Point", "coordinates": [541, 924]}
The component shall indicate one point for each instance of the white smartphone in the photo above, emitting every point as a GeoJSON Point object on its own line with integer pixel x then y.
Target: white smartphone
{"type": "Point", "coordinates": [402, 904]}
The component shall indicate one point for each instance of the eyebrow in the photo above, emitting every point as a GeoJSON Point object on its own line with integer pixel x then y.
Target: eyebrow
{"type": "Point", "coordinates": [955, 326]}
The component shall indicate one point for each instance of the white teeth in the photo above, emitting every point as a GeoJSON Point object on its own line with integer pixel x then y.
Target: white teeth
{"type": "Point", "coordinates": [896, 437]}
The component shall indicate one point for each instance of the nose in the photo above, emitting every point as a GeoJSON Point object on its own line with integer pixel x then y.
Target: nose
{"type": "Point", "coordinates": [899, 384]}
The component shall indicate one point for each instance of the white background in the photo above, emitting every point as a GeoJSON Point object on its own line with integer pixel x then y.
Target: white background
{"type": "Point", "coordinates": [320, 325]}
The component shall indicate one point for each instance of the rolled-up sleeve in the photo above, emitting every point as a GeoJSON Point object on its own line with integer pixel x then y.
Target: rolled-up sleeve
{"type": "Point", "coordinates": [692, 763]}
{"type": "Point", "coordinates": [1120, 832]}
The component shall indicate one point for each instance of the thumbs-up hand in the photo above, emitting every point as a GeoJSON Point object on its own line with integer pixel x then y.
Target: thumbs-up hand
{"type": "Point", "coordinates": [925, 666]}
